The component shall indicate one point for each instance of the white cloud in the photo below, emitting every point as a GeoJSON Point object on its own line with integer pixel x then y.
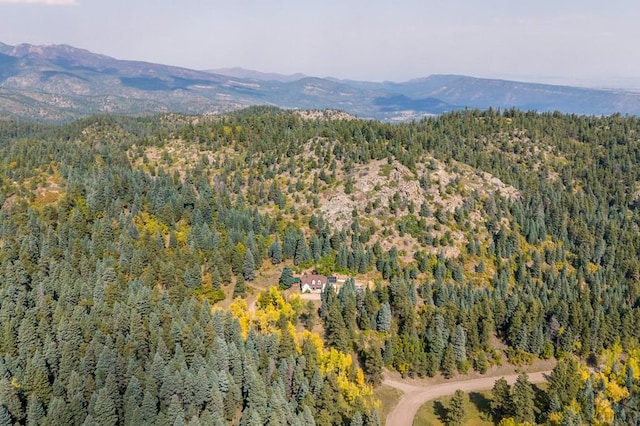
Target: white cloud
{"type": "Point", "coordinates": [49, 2]}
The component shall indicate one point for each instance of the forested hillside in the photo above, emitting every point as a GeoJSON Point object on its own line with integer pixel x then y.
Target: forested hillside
{"type": "Point", "coordinates": [123, 241]}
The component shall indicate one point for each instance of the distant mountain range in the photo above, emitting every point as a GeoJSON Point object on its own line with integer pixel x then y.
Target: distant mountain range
{"type": "Point", "coordinates": [257, 75]}
{"type": "Point", "coordinates": [61, 82]}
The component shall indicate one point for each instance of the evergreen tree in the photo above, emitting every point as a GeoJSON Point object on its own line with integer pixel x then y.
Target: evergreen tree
{"type": "Point", "coordinates": [571, 417]}
{"type": "Point", "coordinates": [460, 344]}
{"type": "Point", "coordinates": [240, 288]}
{"type": "Point", "coordinates": [148, 409]}
{"type": "Point", "coordinates": [89, 421]}
{"type": "Point", "coordinates": [216, 279]}
{"type": "Point", "coordinates": [287, 343]}
{"type": "Point", "coordinates": [10, 399]}
{"type": "Point", "coordinates": [58, 412]}
{"type": "Point", "coordinates": [383, 320]}
{"type": "Point", "coordinates": [315, 248]}
{"type": "Point", "coordinates": [335, 330]}
{"type": "Point", "coordinates": [5, 417]}
{"type": "Point", "coordinates": [254, 418]}
{"type": "Point", "coordinates": [373, 365]}
{"type": "Point", "coordinates": [565, 380]}
{"type": "Point", "coordinates": [35, 411]}
{"type": "Point", "coordinates": [103, 271]}
{"type": "Point", "coordinates": [501, 404]}
{"type": "Point", "coordinates": [104, 409]}
{"type": "Point", "coordinates": [275, 252]}
{"type": "Point", "coordinates": [437, 336]}
{"type": "Point", "coordinates": [449, 362]}
{"type": "Point", "coordinates": [286, 278]}
{"type": "Point", "coordinates": [248, 267]}
{"type": "Point", "coordinates": [36, 378]}
{"type": "Point", "coordinates": [77, 408]}
{"type": "Point", "coordinates": [175, 411]}
{"type": "Point", "coordinates": [482, 363]}
{"type": "Point", "coordinates": [309, 317]}
{"type": "Point", "coordinates": [586, 399]}
{"type": "Point", "coordinates": [523, 399]}
{"type": "Point", "coordinates": [456, 410]}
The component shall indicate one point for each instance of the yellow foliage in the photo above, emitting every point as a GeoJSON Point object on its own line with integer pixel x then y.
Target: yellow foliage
{"type": "Point", "coordinates": [341, 365]}
{"type": "Point", "coordinates": [147, 223]}
{"type": "Point", "coordinates": [240, 310]}
{"type": "Point", "coordinates": [577, 345]}
{"type": "Point", "coordinates": [313, 338]}
{"type": "Point", "coordinates": [270, 305]}
{"type": "Point", "coordinates": [333, 360]}
{"type": "Point", "coordinates": [350, 390]}
{"type": "Point", "coordinates": [296, 303]}
{"type": "Point", "coordinates": [14, 383]}
{"type": "Point", "coordinates": [292, 331]}
{"type": "Point", "coordinates": [241, 249]}
{"type": "Point", "coordinates": [81, 207]}
{"type": "Point", "coordinates": [264, 320]}
{"type": "Point", "coordinates": [274, 299]}
{"type": "Point", "coordinates": [584, 372]}
{"type": "Point", "coordinates": [615, 391]}
{"type": "Point", "coordinates": [633, 361]}
{"type": "Point", "coordinates": [359, 377]}
{"type": "Point", "coordinates": [555, 418]}
{"type": "Point", "coordinates": [611, 359]}
{"type": "Point", "coordinates": [403, 368]}
{"type": "Point", "coordinates": [182, 230]}
{"type": "Point", "coordinates": [603, 410]}
{"type": "Point", "coordinates": [614, 374]}
{"type": "Point", "coordinates": [611, 377]}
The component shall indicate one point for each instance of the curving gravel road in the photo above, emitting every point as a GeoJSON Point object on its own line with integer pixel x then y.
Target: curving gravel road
{"type": "Point", "coordinates": [415, 396]}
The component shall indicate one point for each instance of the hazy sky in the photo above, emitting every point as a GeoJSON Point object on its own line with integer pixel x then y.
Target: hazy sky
{"type": "Point", "coordinates": [566, 41]}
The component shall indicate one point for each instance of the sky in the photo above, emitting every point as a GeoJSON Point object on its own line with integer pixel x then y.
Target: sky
{"type": "Point", "coordinates": [580, 42]}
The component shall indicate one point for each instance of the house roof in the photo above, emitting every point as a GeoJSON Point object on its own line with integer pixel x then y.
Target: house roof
{"type": "Point", "coordinates": [313, 279]}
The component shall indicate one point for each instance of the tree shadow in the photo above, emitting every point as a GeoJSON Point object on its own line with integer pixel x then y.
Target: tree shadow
{"type": "Point", "coordinates": [482, 403]}
{"type": "Point", "coordinates": [440, 410]}
{"type": "Point", "coordinates": [541, 400]}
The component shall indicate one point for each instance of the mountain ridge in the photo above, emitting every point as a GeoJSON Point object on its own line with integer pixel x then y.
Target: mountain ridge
{"type": "Point", "coordinates": [240, 72]}
{"type": "Point", "coordinates": [62, 82]}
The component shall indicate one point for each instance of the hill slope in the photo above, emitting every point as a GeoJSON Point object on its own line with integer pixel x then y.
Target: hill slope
{"type": "Point", "coordinates": [486, 235]}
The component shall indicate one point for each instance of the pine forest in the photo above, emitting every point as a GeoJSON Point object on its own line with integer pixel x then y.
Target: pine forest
{"type": "Point", "coordinates": [150, 267]}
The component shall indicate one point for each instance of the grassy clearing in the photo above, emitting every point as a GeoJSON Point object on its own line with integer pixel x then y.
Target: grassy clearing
{"type": "Point", "coordinates": [388, 397]}
{"type": "Point", "coordinates": [478, 408]}
{"type": "Point", "coordinates": [478, 411]}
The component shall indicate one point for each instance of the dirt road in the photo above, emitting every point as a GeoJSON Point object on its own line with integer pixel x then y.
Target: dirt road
{"type": "Point", "coordinates": [415, 396]}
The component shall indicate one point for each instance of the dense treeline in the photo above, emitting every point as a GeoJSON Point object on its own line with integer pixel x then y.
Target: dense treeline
{"type": "Point", "coordinates": [116, 235]}
{"type": "Point", "coordinates": [564, 265]}
{"type": "Point", "coordinates": [99, 320]}
{"type": "Point", "coordinates": [573, 396]}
